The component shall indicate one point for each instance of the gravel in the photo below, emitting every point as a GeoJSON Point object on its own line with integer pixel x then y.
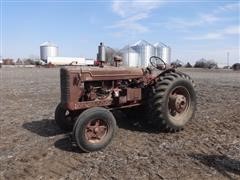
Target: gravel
{"type": "Point", "coordinates": [33, 147]}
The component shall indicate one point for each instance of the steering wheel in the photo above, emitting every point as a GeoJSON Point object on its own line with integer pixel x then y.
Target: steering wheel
{"type": "Point", "coordinates": [158, 63]}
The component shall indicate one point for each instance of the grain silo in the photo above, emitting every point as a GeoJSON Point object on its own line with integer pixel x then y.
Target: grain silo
{"type": "Point", "coordinates": [48, 49]}
{"type": "Point", "coordinates": [158, 49]}
{"type": "Point", "coordinates": [130, 57]}
{"type": "Point", "coordinates": [166, 54]}
{"type": "Point", "coordinates": [163, 51]}
{"type": "Point", "coordinates": [145, 51]}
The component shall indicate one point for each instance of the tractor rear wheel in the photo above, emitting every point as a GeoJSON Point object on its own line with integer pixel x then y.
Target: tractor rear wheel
{"type": "Point", "coordinates": [173, 101]}
{"type": "Point", "coordinates": [94, 129]}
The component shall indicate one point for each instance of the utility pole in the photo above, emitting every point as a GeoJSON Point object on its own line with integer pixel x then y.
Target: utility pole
{"type": "Point", "coordinates": [228, 54]}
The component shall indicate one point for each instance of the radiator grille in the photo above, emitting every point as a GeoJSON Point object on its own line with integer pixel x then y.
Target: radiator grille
{"type": "Point", "coordinates": [65, 88]}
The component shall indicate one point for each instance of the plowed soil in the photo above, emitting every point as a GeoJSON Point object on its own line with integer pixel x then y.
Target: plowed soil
{"type": "Point", "coordinates": [33, 147]}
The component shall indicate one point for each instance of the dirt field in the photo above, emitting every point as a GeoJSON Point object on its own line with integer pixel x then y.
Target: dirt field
{"type": "Point", "coordinates": [33, 147]}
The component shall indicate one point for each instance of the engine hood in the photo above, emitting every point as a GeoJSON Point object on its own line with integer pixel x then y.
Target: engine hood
{"type": "Point", "coordinates": [106, 73]}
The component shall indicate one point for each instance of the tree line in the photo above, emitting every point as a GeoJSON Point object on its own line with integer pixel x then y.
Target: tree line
{"type": "Point", "coordinates": [203, 63]}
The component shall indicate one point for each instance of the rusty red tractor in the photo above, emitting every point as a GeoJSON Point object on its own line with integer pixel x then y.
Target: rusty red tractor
{"type": "Point", "coordinates": [89, 94]}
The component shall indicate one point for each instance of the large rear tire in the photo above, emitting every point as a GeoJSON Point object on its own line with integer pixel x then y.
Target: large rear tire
{"type": "Point", "coordinates": [173, 101]}
{"type": "Point", "coordinates": [94, 129]}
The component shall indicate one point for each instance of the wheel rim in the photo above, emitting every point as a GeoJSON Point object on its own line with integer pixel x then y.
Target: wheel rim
{"type": "Point", "coordinates": [178, 103]}
{"type": "Point", "coordinates": [96, 130]}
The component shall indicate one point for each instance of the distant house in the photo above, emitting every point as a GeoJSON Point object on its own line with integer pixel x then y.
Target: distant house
{"type": "Point", "coordinates": [8, 61]}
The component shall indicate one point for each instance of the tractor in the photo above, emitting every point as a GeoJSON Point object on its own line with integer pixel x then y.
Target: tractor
{"type": "Point", "coordinates": [90, 94]}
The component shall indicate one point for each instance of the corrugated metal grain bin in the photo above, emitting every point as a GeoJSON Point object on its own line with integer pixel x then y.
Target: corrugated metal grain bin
{"type": "Point", "coordinates": [130, 57]}
{"type": "Point", "coordinates": [163, 51]}
{"type": "Point", "coordinates": [166, 54]}
{"type": "Point", "coordinates": [48, 49]}
{"type": "Point", "coordinates": [145, 51]}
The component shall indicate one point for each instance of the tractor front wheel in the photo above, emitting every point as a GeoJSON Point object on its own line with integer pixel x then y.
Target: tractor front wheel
{"type": "Point", "coordinates": [94, 129]}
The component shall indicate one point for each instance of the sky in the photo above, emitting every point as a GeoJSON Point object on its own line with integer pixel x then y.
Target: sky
{"type": "Point", "coordinates": [193, 29]}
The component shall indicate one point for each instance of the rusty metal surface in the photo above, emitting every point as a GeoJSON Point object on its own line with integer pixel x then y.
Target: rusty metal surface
{"type": "Point", "coordinates": [71, 86]}
{"type": "Point", "coordinates": [107, 73]}
{"type": "Point", "coordinates": [134, 94]}
{"type": "Point", "coordinates": [86, 87]}
{"type": "Point", "coordinates": [125, 106]}
{"type": "Point", "coordinates": [122, 100]}
{"type": "Point", "coordinates": [179, 102]}
{"type": "Point", "coordinates": [96, 130]}
{"type": "Point", "coordinates": [88, 104]}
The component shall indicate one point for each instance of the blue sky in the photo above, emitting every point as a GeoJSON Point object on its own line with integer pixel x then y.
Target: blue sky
{"type": "Point", "coordinates": [193, 29]}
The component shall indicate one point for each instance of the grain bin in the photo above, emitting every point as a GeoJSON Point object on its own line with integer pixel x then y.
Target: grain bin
{"type": "Point", "coordinates": [48, 49]}
{"type": "Point", "coordinates": [158, 49]}
{"type": "Point", "coordinates": [166, 54]}
{"type": "Point", "coordinates": [145, 51]}
{"type": "Point", "coordinates": [130, 57]}
{"type": "Point", "coordinates": [163, 51]}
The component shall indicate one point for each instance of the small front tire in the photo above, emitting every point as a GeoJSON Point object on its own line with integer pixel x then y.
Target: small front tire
{"type": "Point", "coordinates": [94, 129]}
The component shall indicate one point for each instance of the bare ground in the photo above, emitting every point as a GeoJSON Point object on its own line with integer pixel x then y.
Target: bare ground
{"type": "Point", "coordinates": [33, 147]}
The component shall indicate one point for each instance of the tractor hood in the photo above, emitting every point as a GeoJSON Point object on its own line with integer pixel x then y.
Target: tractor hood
{"type": "Point", "coordinates": [106, 73]}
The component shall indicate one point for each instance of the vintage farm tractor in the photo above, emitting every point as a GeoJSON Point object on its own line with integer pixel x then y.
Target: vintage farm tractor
{"type": "Point", "coordinates": [89, 94]}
